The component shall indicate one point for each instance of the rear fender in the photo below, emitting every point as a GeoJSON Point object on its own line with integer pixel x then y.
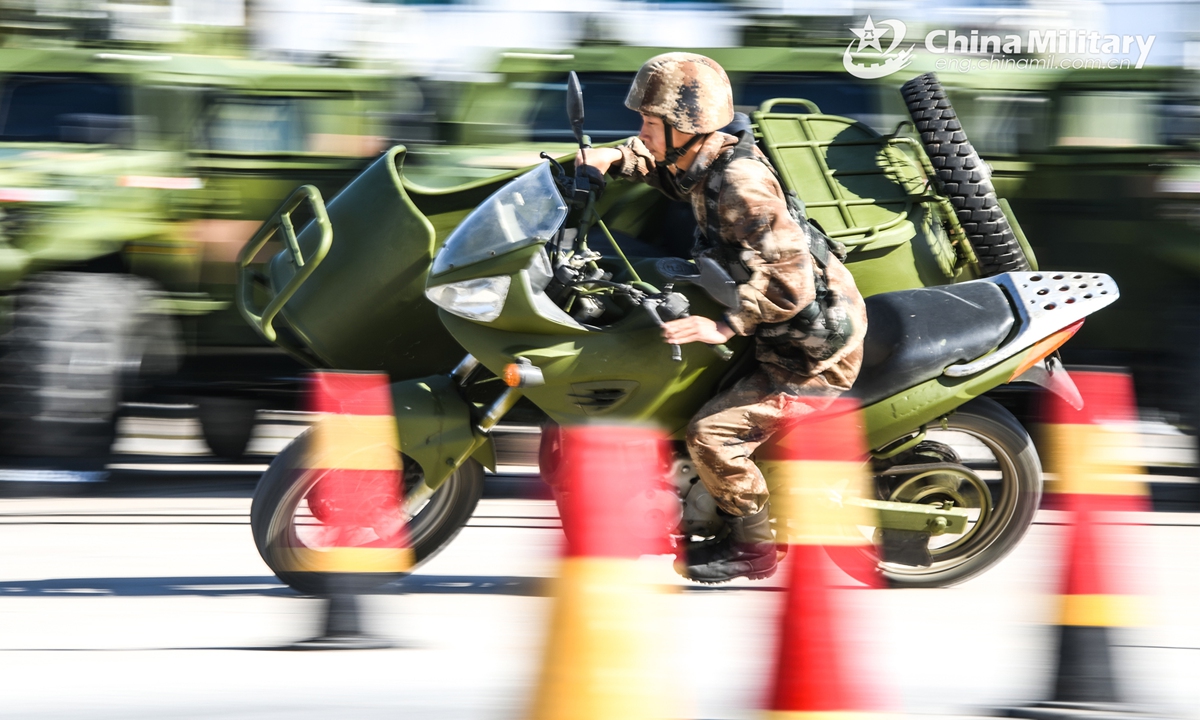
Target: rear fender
{"type": "Point", "coordinates": [436, 428]}
{"type": "Point", "coordinates": [905, 412]}
{"type": "Point", "coordinates": [1051, 375]}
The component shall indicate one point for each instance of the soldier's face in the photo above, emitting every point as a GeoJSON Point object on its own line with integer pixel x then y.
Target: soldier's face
{"type": "Point", "coordinates": [652, 137]}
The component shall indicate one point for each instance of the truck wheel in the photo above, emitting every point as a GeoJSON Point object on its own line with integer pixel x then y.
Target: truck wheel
{"type": "Point", "coordinates": [77, 342]}
{"type": "Point", "coordinates": [280, 518]}
{"type": "Point", "coordinates": [227, 423]}
{"type": "Point", "coordinates": [963, 177]}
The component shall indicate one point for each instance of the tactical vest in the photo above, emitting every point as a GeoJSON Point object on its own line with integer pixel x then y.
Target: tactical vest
{"type": "Point", "coordinates": [821, 320]}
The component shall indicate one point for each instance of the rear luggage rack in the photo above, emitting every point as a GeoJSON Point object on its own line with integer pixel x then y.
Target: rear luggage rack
{"type": "Point", "coordinates": [1045, 302]}
{"type": "Point", "coordinates": [863, 188]}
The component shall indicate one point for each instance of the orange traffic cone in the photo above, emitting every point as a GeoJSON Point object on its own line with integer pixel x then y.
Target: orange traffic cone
{"type": "Point", "coordinates": [1092, 452]}
{"type": "Point", "coordinates": [601, 658]}
{"type": "Point", "coordinates": [361, 541]}
{"type": "Point", "coordinates": [822, 462]}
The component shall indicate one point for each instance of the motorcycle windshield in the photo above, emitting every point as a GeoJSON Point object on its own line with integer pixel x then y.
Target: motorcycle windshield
{"type": "Point", "coordinates": [524, 212]}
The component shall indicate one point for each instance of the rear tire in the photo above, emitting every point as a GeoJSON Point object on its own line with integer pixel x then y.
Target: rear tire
{"type": "Point", "coordinates": [963, 177]}
{"type": "Point", "coordinates": [1015, 502]}
{"type": "Point", "coordinates": [286, 483]}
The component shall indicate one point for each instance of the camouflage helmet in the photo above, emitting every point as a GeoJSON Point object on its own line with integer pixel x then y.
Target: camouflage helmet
{"type": "Point", "coordinates": [690, 92]}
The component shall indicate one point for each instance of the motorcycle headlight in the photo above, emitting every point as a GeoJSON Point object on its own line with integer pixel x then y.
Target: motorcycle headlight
{"type": "Point", "coordinates": [480, 299]}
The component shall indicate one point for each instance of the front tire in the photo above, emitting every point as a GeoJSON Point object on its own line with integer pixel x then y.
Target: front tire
{"type": "Point", "coordinates": [278, 512]}
{"type": "Point", "coordinates": [1002, 452]}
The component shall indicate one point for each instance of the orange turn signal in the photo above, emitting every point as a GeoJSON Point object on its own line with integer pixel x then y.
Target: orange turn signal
{"type": "Point", "coordinates": [512, 375]}
{"type": "Point", "coordinates": [523, 374]}
{"type": "Point", "coordinates": [1042, 348]}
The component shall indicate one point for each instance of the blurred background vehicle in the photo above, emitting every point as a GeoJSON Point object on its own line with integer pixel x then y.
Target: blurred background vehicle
{"type": "Point", "coordinates": [144, 141]}
{"type": "Point", "coordinates": [1102, 166]}
{"type": "Point", "coordinates": [129, 179]}
{"type": "Point", "coordinates": [1099, 166]}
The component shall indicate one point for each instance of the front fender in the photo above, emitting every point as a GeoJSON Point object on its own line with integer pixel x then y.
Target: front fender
{"type": "Point", "coordinates": [436, 429]}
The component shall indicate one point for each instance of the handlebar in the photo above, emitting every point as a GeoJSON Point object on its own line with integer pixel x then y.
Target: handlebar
{"type": "Point", "coordinates": [650, 305]}
{"type": "Point", "coordinates": [582, 191]}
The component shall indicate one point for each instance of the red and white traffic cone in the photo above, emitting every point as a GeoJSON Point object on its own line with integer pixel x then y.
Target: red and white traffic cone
{"type": "Point", "coordinates": [361, 541]}
{"type": "Point", "coordinates": [822, 465]}
{"type": "Point", "coordinates": [1092, 451]}
{"type": "Point", "coordinates": [602, 657]}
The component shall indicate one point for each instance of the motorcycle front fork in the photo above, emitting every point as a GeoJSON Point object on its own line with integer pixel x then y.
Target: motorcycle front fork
{"type": "Point", "coordinates": [499, 407]}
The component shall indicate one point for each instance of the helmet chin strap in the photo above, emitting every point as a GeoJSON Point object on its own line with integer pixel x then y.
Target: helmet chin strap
{"type": "Point", "coordinates": [673, 154]}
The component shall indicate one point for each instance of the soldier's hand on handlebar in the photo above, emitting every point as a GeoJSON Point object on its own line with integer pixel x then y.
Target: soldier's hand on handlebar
{"type": "Point", "coordinates": [696, 328]}
{"type": "Point", "coordinates": [600, 158]}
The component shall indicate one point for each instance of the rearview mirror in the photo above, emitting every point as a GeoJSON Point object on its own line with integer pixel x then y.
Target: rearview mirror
{"type": "Point", "coordinates": [575, 106]}
{"type": "Point", "coordinates": [715, 281]}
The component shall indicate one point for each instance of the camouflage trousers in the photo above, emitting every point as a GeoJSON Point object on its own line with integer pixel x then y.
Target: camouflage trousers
{"type": "Point", "coordinates": [724, 434]}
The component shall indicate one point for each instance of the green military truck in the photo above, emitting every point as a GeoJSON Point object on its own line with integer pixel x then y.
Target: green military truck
{"type": "Point", "coordinates": [1104, 170]}
{"type": "Point", "coordinates": [128, 181]}
{"type": "Point", "coordinates": [1100, 165]}
{"type": "Point", "coordinates": [503, 123]}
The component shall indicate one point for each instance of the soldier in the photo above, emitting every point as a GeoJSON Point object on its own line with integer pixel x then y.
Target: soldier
{"type": "Point", "coordinates": [796, 298]}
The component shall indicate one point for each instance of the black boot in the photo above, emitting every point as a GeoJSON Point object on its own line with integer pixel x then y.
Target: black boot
{"type": "Point", "coordinates": [747, 551]}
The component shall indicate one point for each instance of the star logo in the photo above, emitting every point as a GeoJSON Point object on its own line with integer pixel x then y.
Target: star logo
{"type": "Point", "coordinates": [868, 36]}
{"type": "Point", "coordinates": [870, 60]}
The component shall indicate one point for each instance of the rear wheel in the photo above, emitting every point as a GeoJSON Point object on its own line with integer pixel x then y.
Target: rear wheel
{"type": "Point", "coordinates": [998, 483]}
{"type": "Point", "coordinates": [963, 177]}
{"type": "Point", "coordinates": [282, 521]}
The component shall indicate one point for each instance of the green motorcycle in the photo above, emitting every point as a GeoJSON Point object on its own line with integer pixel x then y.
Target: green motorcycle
{"type": "Point", "coordinates": [555, 311]}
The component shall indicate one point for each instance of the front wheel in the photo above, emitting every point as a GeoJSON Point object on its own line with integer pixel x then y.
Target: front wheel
{"type": "Point", "coordinates": [999, 486]}
{"type": "Point", "coordinates": [282, 521]}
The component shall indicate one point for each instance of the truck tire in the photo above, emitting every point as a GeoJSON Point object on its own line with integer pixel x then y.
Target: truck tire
{"type": "Point", "coordinates": [77, 343]}
{"type": "Point", "coordinates": [963, 177]}
{"type": "Point", "coordinates": [227, 424]}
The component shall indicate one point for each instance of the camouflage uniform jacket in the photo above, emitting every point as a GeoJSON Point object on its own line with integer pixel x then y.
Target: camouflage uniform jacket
{"type": "Point", "coordinates": [755, 221]}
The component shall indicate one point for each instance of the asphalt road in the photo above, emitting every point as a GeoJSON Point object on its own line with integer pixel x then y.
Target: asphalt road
{"type": "Point", "coordinates": [147, 600]}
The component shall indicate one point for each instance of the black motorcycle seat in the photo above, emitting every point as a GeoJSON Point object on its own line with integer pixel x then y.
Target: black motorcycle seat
{"type": "Point", "coordinates": [914, 335]}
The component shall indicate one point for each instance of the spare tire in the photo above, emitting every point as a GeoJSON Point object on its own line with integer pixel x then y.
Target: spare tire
{"type": "Point", "coordinates": [963, 177]}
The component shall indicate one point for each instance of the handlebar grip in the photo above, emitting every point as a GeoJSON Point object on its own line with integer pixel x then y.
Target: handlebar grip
{"type": "Point", "coordinates": [722, 352]}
